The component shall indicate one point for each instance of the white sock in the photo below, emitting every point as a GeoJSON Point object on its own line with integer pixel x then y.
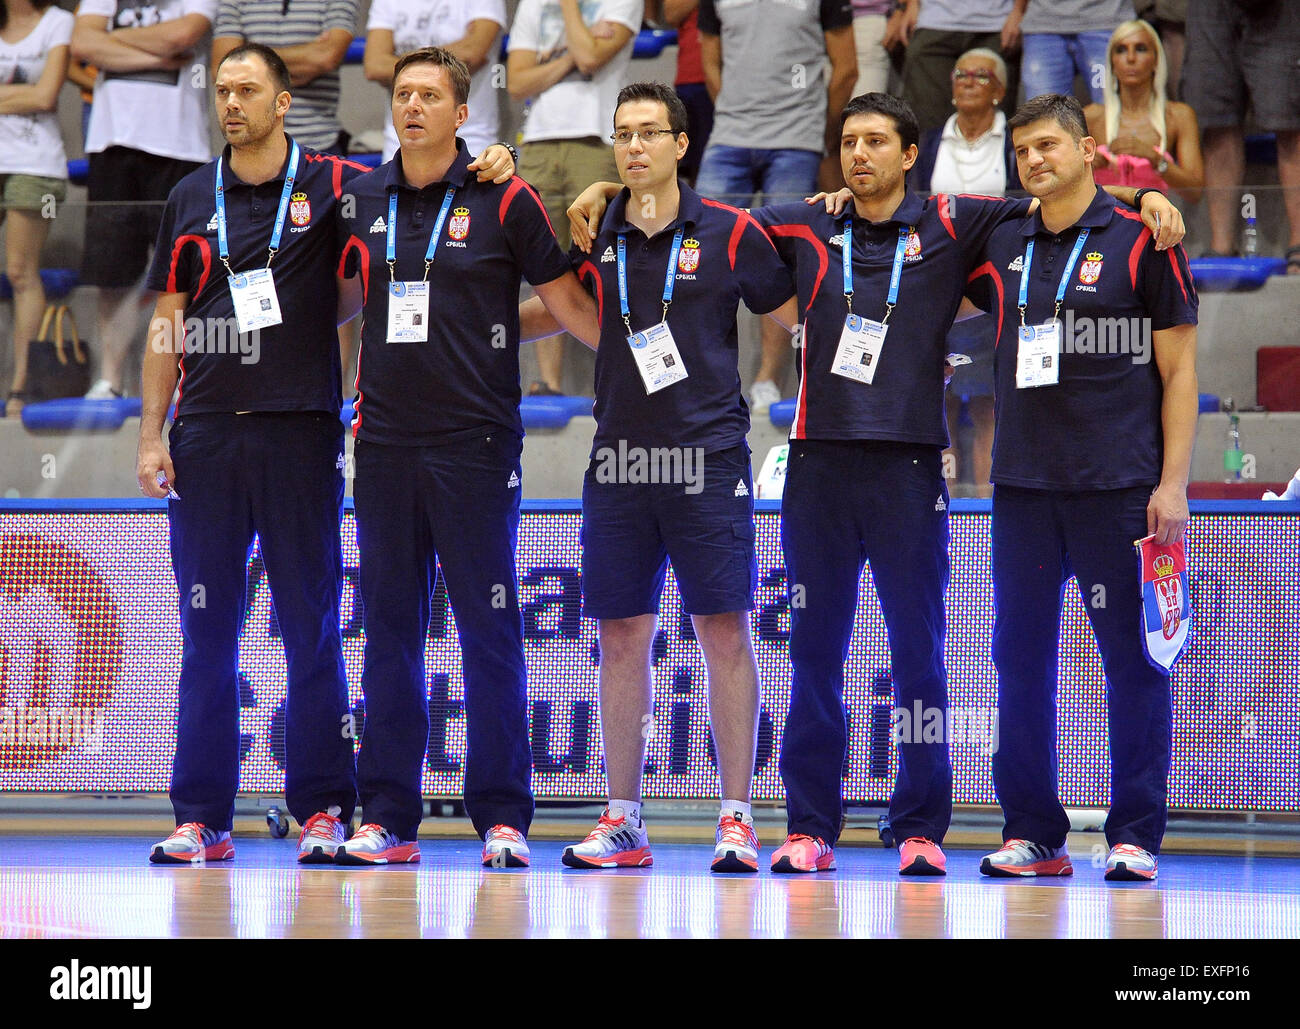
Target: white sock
{"type": "Point", "coordinates": [629, 809]}
{"type": "Point", "coordinates": [739, 809]}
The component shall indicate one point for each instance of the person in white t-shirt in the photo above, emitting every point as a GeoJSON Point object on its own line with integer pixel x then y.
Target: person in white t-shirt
{"type": "Point", "coordinates": [34, 39]}
{"type": "Point", "coordinates": [568, 59]}
{"type": "Point", "coordinates": [467, 28]}
{"type": "Point", "coordinates": [148, 130]}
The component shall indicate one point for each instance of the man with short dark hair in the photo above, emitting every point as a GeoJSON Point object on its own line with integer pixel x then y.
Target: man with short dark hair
{"type": "Point", "coordinates": [438, 440]}
{"type": "Point", "coordinates": [1093, 450]}
{"type": "Point", "coordinates": [667, 384]}
{"type": "Point", "coordinates": [245, 254]}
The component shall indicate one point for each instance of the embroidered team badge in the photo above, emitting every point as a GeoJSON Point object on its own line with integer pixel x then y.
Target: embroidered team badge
{"type": "Point", "coordinates": [299, 209]}
{"type": "Point", "coordinates": [1090, 270]}
{"type": "Point", "coordinates": [689, 258]}
{"type": "Point", "coordinates": [913, 248]}
{"type": "Point", "coordinates": [459, 227]}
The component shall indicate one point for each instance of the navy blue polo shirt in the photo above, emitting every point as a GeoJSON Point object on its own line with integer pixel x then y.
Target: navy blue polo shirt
{"type": "Point", "coordinates": [295, 365]}
{"type": "Point", "coordinates": [905, 401]}
{"type": "Point", "coordinates": [466, 377]}
{"type": "Point", "coordinates": [1100, 426]}
{"type": "Point", "coordinates": [724, 258]}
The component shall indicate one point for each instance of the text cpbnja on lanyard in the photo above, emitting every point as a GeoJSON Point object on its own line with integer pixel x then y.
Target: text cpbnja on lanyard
{"type": "Point", "coordinates": [862, 339]}
{"type": "Point", "coordinates": [408, 302]}
{"type": "Point", "coordinates": [653, 349]}
{"type": "Point", "coordinates": [253, 293]}
{"type": "Point", "coordinates": [1038, 354]}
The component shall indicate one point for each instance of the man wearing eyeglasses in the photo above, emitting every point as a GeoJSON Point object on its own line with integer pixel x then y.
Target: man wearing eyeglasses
{"type": "Point", "coordinates": [668, 269]}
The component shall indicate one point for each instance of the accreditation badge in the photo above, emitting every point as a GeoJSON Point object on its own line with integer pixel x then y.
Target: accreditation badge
{"type": "Point", "coordinates": [408, 312]}
{"type": "Point", "coordinates": [1038, 355]}
{"type": "Point", "coordinates": [256, 305]}
{"type": "Point", "coordinates": [657, 358]}
{"type": "Point", "coordinates": [858, 354]}
{"type": "Point", "coordinates": [1166, 607]}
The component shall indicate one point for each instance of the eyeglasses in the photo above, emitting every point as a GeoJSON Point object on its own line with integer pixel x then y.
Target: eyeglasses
{"type": "Point", "coordinates": [623, 137]}
{"type": "Point", "coordinates": [982, 77]}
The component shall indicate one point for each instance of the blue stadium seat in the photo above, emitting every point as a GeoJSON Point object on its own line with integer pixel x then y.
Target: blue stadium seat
{"type": "Point", "coordinates": [369, 160]}
{"type": "Point", "coordinates": [74, 414]}
{"type": "Point", "coordinates": [58, 283]}
{"type": "Point", "coordinates": [782, 413]}
{"type": "Point", "coordinates": [552, 412]}
{"type": "Point", "coordinates": [651, 42]}
{"type": "Point", "coordinates": [78, 170]}
{"type": "Point", "coordinates": [1209, 403]}
{"type": "Point", "coordinates": [347, 414]}
{"type": "Point", "coordinates": [1234, 274]}
{"type": "Point", "coordinates": [356, 51]}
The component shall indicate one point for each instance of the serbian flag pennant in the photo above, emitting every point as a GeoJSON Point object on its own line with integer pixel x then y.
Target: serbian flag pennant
{"type": "Point", "coordinates": [1166, 610]}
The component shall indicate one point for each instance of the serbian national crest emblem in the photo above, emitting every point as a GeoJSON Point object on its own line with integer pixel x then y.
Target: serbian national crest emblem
{"type": "Point", "coordinates": [299, 209]}
{"type": "Point", "coordinates": [689, 259]}
{"type": "Point", "coordinates": [1090, 270]}
{"type": "Point", "coordinates": [1166, 607]}
{"type": "Point", "coordinates": [459, 227]}
{"type": "Point", "coordinates": [913, 248]}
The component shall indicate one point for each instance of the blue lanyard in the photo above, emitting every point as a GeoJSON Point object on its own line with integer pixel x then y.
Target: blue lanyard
{"type": "Point", "coordinates": [846, 259]}
{"type": "Point", "coordinates": [670, 277]}
{"type": "Point", "coordinates": [222, 244]}
{"type": "Point", "coordinates": [1065, 277]}
{"type": "Point", "coordinates": [432, 248]}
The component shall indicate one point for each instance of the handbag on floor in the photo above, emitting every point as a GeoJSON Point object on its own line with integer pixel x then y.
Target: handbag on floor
{"type": "Point", "coordinates": [57, 364]}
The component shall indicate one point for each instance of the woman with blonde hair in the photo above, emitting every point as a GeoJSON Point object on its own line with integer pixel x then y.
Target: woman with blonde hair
{"type": "Point", "coordinates": [1143, 139]}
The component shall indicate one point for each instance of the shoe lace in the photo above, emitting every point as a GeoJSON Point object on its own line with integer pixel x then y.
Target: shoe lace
{"type": "Point", "coordinates": [605, 826]}
{"type": "Point", "coordinates": [321, 825]}
{"type": "Point", "coordinates": [1130, 850]}
{"type": "Point", "coordinates": [196, 832]}
{"type": "Point", "coordinates": [796, 837]}
{"type": "Point", "coordinates": [733, 830]}
{"type": "Point", "coordinates": [372, 829]}
{"type": "Point", "coordinates": [921, 839]}
{"type": "Point", "coordinates": [505, 832]}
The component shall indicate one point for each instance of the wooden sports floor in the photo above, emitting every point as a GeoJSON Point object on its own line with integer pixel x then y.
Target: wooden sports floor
{"type": "Point", "coordinates": [102, 886]}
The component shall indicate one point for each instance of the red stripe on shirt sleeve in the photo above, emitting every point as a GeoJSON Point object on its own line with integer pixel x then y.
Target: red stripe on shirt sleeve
{"type": "Point", "coordinates": [1135, 255]}
{"type": "Point", "coordinates": [363, 261]}
{"type": "Point", "coordinates": [1178, 272]}
{"type": "Point", "coordinates": [205, 255]}
{"type": "Point", "coordinates": [823, 259]}
{"type": "Point", "coordinates": [945, 213]}
{"type": "Point", "coordinates": [988, 268]}
{"type": "Point", "coordinates": [516, 186]}
{"type": "Point", "coordinates": [743, 219]}
{"type": "Point", "coordinates": [589, 269]}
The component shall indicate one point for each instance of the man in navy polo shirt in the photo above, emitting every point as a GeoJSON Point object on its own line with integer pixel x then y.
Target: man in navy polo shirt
{"type": "Point", "coordinates": [1092, 452]}
{"type": "Point", "coordinates": [439, 437]}
{"type": "Point", "coordinates": [246, 320]}
{"type": "Point", "coordinates": [670, 475]}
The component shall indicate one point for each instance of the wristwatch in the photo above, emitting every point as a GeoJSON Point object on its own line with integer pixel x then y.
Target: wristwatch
{"type": "Point", "coordinates": [1137, 197]}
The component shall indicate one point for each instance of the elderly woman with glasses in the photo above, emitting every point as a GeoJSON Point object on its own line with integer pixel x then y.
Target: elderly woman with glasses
{"type": "Point", "coordinates": [1144, 140]}
{"type": "Point", "coordinates": [972, 153]}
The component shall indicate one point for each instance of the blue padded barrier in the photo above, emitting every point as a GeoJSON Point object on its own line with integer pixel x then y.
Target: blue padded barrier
{"type": "Point", "coordinates": [1234, 274]}
{"type": "Point", "coordinates": [552, 412]}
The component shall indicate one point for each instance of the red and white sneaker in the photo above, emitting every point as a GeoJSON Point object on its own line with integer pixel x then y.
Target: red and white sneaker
{"type": "Point", "coordinates": [921, 856]}
{"type": "Point", "coordinates": [320, 838]}
{"type": "Point", "coordinates": [737, 846]}
{"type": "Point", "coordinates": [504, 847]}
{"type": "Point", "coordinates": [193, 844]}
{"type": "Point", "coordinates": [614, 843]}
{"type": "Point", "coordinates": [1129, 863]}
{"type": "Point", "coordinates": [375, 845]}
{"type": "Point", "coordinates": [801, 853]}
{"type": "Point", "coordinates": [1026, 858]}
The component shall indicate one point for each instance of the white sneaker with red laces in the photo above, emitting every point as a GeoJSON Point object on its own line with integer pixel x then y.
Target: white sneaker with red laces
{"type": "Point", "coordinates": [193, 843]}
{"type": "Point", "coordinates": [737, 846]}
{"type": "Point", "coordinates": [1129, 863]}
{"type": "Point", "coordinates": [375, 845]}
{"type": "Point", "coordinates": [504, 847]}
{"type": "Point", "coordinates": [614, 843]}
{"type": "Point", "coordinates": [321, 837]}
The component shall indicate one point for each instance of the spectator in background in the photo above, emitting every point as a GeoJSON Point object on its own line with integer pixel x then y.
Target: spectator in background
{"type": "Point", "coordinates": [148, 130]}
{"type": "Point", "coordinates": [1143, 140]}
{"type": "Point", "coordinates": [1052, 57]}
{"type": "Point", "coordinates": [312, 38]}
{"type": "Point", "coordinates": [567, 59]}
{"type": "Point", "coordinates": [466, 28]}
{"type": "Point", "coordinates": [870, 20]}
{"type": "Point", "coordinates": [777, 117]}
{"type": "Point", "coordinates": [684, 16]}
{"type": "Point", "coordinates": [1170, 19]}
{"type": "Point", "coordinates": [1241, 51]}
{"type": "Point", "coordinates": [82, 75]}
{"type": "Point", "coordinates": [34, 39]}
{"type": "Point", "coordinates": [972, 153]}
{"type": "Point", "coordinates": [935, 34]}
